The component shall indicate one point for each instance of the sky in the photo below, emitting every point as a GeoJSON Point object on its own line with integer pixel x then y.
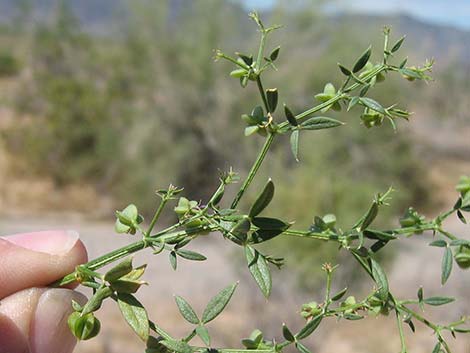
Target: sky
{"type": "Point", "coordinates": [448, 12]}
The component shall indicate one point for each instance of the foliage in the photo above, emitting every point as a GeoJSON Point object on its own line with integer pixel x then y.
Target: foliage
{"type": "Point", "coordinates": [249, 227]}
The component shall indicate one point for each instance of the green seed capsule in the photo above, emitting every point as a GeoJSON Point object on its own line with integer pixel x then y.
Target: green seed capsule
{"type": "Point", "coordinates": [462, 257]}
{"type": "Point", "coordinates": [84, 327]}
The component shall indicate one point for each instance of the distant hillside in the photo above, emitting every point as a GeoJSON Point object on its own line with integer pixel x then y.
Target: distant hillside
{"type": "Point", "coordinates": [446, 43]}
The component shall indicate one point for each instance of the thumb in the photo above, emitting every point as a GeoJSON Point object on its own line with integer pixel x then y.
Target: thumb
{"type": "Point", "coordinates": [35, 320]}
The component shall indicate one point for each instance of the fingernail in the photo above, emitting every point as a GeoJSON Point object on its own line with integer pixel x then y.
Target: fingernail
{"type": "Point", "coordinates": [56, 242]}
{"type": "Point", "coordinates": [50, 332]}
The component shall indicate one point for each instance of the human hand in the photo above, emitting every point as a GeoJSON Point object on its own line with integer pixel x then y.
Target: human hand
{"type": "Point", "coordinates": [33, 319]}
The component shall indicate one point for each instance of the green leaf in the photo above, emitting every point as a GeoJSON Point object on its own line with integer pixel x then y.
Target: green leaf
{"type": "Point", "coordinates": [372, 104]}
{"type": "Point", "coordinates": [135, 315]}
{"type": "Point", "coordinates": [94, 303]}
{"type": "Point", "coordinates": [410, 73]}
{"type": "Point", "coordinates": [173, 261]}
{"type": "Point", "coordinates": [362, 61]}
{"type": "Point", "coordinates": [447, 262]}
{"type": "Point", "coordinates": [439, 243]}
{"type": "Point", "coordinates": [370, 216]}
{"type": "Point", "coordinates": [437, 348]}
{"type": "Point", "coordinates": [259, 270]}
{"type": "Point", "coordinates": [250, 130]}
{"type": "Point", "coordinates": [339, 295]}
{"type": "Point", "coordinates": [344, 70]}
{"type": "Point", "coordinates": [261, 235]}
{"type": "Point", "coordinates": [294, 144]}
{"type": "Point", "coordinates": [301, 348]}
{"type": "Point", "coordinates": [263, 199]}
{"type": "Point", "coordinates": [352, 103]}
{"type": "Point", "coordinates": [203, 334]}
{"type": "Point", "coordinates": [268, 223]}
{"type": "Point", "coordinates": [186, 310]}
{"type": "Point", "coordinates": [319, 123]}
{"type": "Point", "coordinates": [272, 97]}
{"type": "Point", "coordinates": [218, 303]}
{"type": "Point", "coordinates": [190, 255]}
{"type": "Point", "coordinates": [311, 326]}
{"type": "Point", "coordinates": [177, 346]}
{"type": "Point", "coordinates": [240, 230]}
{"type": "Point", "coordinates": [126, 285]}
{"type": "Point", "coordinates": [287, 333]}
{"type": "Point", "coordinates": [274, 54]}
{"type": "Point", "coordinates": [238, 73]}
{"type": "Point", "coordinates": [398, 44]}
{"type": "Point", "coordinates": [121, 269]}
{"type": "Point", "coordinates": [458, 242]}
{"type": "Point", "coordinates": [380, 278]}
{"type": "Point", "coordinates": [376, 234]}
{"type": "Point", "coordinates": [420, 298]}
{"type": "Point", "coordinates": [437, 301]}
{"type": "Point", "coordinates": [290, 116]}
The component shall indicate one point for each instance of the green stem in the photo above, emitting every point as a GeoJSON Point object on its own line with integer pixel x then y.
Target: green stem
{"type": "Point", "coordinates": [254, 169]}
{"type": "Point", "coordinates": [400, 330]}
{"type": "Point", "coordinates": [339, 96]}
{"type": "Point", "coordinates": [156, 216]}
{"type": "Point", "coordinates": [261, 50]}
{"type": "Point", "coordinates": [420, 318]}
{"type": "Point", "coordinates": [130, 249]}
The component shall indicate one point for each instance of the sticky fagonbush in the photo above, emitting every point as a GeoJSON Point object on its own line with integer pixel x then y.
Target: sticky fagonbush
{"type": "Point", "coordinates": [246, 228]}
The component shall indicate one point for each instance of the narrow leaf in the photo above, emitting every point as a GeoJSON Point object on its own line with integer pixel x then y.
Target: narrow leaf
{"type": "Point", "coordinates": [439, 243]}
{"type": "Point", "coordinates": [177, 346]}
{"type": "Point", "coordinates": [267, 223]}
{"type": "Point", "coordinates": [272, 97]}
{"type": "Point", "coordinates": [446, 265]}
{"type": "Point", "coordinates": [339, 295]}
{"type": "Point", "coordinates": [344, 70]}
{"type": "Point", "coordinates": [370, 216]}
{"type": "Point", "coordinates": [294, 144]}
{"type": "Point", "coordinates": [437, 348]}
{"type": "Point", "coordinates": [301, 348]}
{"type": "Point", "coordinates": [372, 104]}
{"type": "Point", "coordinates": [218, 303]}
{"type": "Point", "coordinates": [259, 270]}
{"type": "Point", "coordinates": [274, 54]}
{"type": "Point", "coordinates": [319, 123]}
{"type": "Point", "coordinates": [362, 61]}
{"type": "Point", "coordinates": [437, 301]}
{"type": "Point", "coordinates": [380, 278]}
{"type": "Point", "coordinates": [287, 333]}
{"type": "Point", "coordinates": [263, 199]}
{"type": "Point", "coordinates": [263, 235]}
{"type": "Point", "coordinates": [186, 310]}
{"type": "Point", "coordinates": [308, 329]}
{"type": "Point", "coordinates": [191, 255]}
{"type": "Point", "coordinates": [135, 315]}
{"type": "Point", "coordinates": [397, 45]}
{"type": "Point", "coordinates": [173, 261]}
{"type": "Point", "coordinates": [203, 334]}
{"type": "Point", "coordinates": [290, 116]}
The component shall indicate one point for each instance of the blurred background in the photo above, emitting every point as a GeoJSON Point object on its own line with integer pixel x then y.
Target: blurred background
{"type": "Point", "coordinates": [104, 101]}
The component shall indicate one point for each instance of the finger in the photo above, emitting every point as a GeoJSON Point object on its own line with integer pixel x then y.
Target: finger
{"type": "Point", "coordinates": [38, 259]}
{"type": "Point", "coordinates": [35, 321]}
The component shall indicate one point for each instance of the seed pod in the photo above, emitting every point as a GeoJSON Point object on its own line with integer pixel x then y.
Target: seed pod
{"type": "Point", "coordinates": [462, 257]}
{"type": "Point", "coordinates": [83, 327]}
